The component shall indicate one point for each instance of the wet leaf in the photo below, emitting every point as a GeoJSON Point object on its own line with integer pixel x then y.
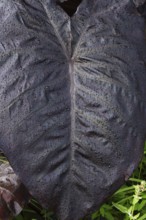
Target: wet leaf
{"type": "Point", "coordinates": [72, 94]}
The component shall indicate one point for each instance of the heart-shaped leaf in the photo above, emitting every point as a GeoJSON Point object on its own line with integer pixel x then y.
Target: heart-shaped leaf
{"type": "Point", "coordinates": [72, 99]}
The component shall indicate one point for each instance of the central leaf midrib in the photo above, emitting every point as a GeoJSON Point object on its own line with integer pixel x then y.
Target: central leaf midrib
{"type": "Point", "coordinates": [72, 96]}
{"type": "Point", "coordinates": [70, 60]}
{"type": "Point", "coordinates": [72, 115]}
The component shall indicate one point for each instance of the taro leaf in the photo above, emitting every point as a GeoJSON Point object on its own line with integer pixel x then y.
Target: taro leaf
{"type": "Point", "coordinates": [72, 99]}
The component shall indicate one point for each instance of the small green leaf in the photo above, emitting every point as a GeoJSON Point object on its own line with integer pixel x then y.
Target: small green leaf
{"type": "Point", "coordinates": [136, 216]}
{"type": "Point", "coordinates": [141, 205]}
{"type": "Point", "coordinates": [109, 216]}
{"type": "Point", "coordinates": [102, 212]}
{"type": "Point", "coordinates": [142, 217]}
{"type": "Point", "coordinates": [120, 208]}
{"type": "Point", "coordinates": [136, 199]}
{"type": "Point", "coordinates": [135, 180]}
{"type": "Point", "coordinates": [124, 189]}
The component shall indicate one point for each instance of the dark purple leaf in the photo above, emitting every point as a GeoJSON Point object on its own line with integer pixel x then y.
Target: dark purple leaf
{"type": "Point", "coordinates": [72, 99]}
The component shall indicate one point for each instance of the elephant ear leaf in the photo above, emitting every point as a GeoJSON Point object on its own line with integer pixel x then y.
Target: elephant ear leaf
{"type": "Point", "coordinates": [71, 99]}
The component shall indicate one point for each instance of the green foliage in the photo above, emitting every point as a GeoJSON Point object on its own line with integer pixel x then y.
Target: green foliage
{"type": "Point", "coordinates": [128, 203]}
